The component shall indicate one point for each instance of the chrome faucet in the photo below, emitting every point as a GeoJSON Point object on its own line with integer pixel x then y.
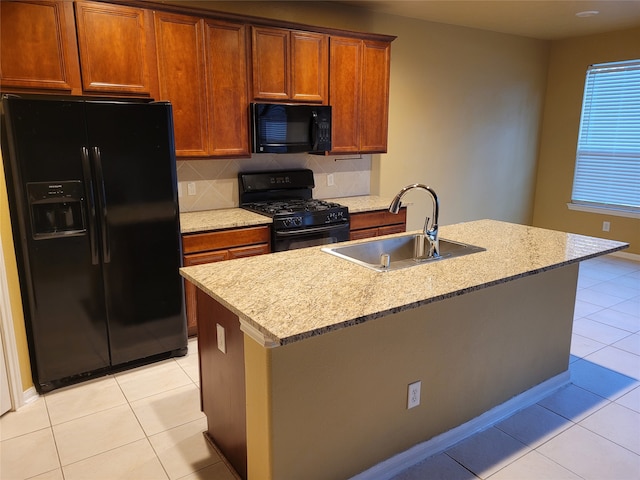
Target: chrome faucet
{"type": "Point", "coordinates": [430, 234]}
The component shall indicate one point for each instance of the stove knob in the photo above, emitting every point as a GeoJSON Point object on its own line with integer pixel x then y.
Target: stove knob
{"type": "Point", "coordinates": [292, 222]}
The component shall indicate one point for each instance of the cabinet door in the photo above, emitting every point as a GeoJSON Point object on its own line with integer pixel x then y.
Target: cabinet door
{"type": "Point", "coordinates": [270, 59]}
{"type": "Point", "coordinates": [289, 65]}
{"type": "Point", "coordinates": [116, 48]}
{"type": "Point", "coordinates": [345, 60]}
{"type": "Point", "coordinates": [38, 49]}
{"type": "Point", "coordinates": [182, 80]}
{"type": "Point", "coordinates": [374, 104]}
{"type": "Point", "coordinates": [227, 87]}
{"type": "Point", "coordinates": [359, 95]}
{"type": "Point", "coordinates": [309, 64]}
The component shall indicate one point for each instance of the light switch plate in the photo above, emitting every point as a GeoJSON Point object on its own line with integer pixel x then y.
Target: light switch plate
{"type": "Point", "coordinates": [222, 341]}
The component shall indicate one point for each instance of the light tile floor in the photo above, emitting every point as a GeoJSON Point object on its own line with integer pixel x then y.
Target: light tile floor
{"type": "Point", "coordinates": [139, 424]}
{"type": "Point", "coordinates": [146, 423]}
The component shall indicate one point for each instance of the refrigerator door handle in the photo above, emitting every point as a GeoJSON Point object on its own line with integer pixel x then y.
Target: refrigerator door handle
{"type": "Point", "coordinates": [91, 206]}
{"type": "Point", "coordinates": [102, 203]}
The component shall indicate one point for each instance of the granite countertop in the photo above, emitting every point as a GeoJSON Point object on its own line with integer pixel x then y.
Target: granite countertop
{"type": "Point", "coordinates": [285, 297]}
{"type": "Point", "coordinates": [365, 203]}
{"type": "Point", "coordinates": [208, 220]}
{"type": "Point", "coordinates": [194, 222]}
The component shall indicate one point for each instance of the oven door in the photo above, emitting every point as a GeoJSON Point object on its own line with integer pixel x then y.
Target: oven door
{"type": "Point", "coordinates": [309, 237]}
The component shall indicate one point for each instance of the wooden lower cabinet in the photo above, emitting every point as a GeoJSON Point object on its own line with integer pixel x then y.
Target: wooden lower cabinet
{"type": "Point", "coordinates": [200, 248]}
{"type": "Point", "coordinates": [377, 223]}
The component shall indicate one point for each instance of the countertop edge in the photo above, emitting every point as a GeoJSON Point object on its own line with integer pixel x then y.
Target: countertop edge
{"type": "Point", "coordinates": [410, 306]}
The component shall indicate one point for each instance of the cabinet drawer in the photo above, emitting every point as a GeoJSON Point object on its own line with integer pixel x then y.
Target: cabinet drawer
{"type": "Point", "coordinates": [249, 251]}
{"type": "Point", "coordinates": [377, 218]}
{"type": "Point", "coordinates": [225, 239]}
{"type": "Point", "coordinates": [389, 229]}
{"type": "Point", "coordinates": [363, 233]}
{"type": "Point", "coordinates": [206, 257]}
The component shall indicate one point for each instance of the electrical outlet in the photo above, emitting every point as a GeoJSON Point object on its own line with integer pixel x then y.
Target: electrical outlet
{"type": "Point", "coordinates": [413, 395]}
{"type": "Point", "coordinates": [606, 226]}
{"type": "Point", "coordinates": [330, 182]}
{"type": "Point", "coordinates": [191, 188]}
{"type": "Point", "coordinates": [222, 342]}
{"type": "Point", "coordinates": [179, 189]}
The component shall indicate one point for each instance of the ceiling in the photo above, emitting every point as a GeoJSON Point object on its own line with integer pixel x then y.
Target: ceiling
{"type": "Point", "coordinates": [543, 19]}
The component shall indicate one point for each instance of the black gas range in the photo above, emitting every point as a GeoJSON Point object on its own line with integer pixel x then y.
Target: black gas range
{"type": "Point", "coordinates": [299, 220]}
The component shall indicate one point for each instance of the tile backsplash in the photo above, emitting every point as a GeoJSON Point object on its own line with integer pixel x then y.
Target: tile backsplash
{"type": "Point", "coordinates": [213, 184]}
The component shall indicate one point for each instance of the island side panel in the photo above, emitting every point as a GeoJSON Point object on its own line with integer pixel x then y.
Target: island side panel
{"type": "Point", "coordinates": [222, 380]}
{"type": "Point", "coordinates": [337, 402]}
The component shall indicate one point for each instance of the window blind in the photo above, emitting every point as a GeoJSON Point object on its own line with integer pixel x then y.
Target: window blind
{"type": "Point", "coordinates": [607, 170]}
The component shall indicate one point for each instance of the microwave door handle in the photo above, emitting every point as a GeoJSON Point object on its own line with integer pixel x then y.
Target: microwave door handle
{"type": "Point", "coordinates": [102, 204]}
{"type": "Point", "coordinates": [314, 130]}
{"type": "Point", "coordinates": [91, 206]}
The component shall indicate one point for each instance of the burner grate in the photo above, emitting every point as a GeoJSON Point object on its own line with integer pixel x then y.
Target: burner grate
{"type": "Point", "coordinates": [279, 207]}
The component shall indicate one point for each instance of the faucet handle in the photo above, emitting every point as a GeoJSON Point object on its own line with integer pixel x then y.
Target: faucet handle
{"type": "Point", "coordinates": [425, 229]}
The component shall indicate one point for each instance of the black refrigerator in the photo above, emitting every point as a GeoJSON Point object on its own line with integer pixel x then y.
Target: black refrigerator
{"type": "Point", "coordinates": [94, 209]}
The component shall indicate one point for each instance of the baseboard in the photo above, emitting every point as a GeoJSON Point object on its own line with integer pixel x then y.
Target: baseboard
{"type": "Point", "coordinates": [29, 396]}
{"type": "Point", "coordinates": [400, 462]}
{"type": "Point", "coordinates": [629, 256]}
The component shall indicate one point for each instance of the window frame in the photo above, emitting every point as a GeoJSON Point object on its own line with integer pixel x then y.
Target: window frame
{"type": "Point", "coordinates": [592, 121]}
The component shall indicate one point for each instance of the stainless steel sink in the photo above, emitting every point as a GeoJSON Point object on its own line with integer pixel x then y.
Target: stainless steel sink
{"type": "Point", "coordinates": [400, 250]}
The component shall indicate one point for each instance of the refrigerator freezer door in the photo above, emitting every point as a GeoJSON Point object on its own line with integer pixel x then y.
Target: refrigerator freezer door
{"type": "Point", "coordinates": [134, 162]}
{"type": "Point", "coordinates": [65, 318]}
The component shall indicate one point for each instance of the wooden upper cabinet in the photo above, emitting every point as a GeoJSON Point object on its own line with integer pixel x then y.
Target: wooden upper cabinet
{"type": "Point", "coordinates": [289, 65]}
{"type": "Point", "coordinates": [374, 102]}
{"type": "Point", "coordinates": [270, 57]}
{"type": "Point", "coordinates": [202, 71]}
{"type": "Point", "coordinates": [226, 51]}
{"type": "Point", "coordinates": [117, 49]}
{"type": "Point", "coordinates": [182, 80]}
{"type": "Point", "coordinates": [38, 49]}
{"type": "Point", "coordinates": [359, 95]}
{"type": "Point", "coordinates": [345, 84]}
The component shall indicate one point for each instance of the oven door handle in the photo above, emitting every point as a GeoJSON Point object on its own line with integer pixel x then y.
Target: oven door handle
{"type": "Point", "coordinates": [305, 231]}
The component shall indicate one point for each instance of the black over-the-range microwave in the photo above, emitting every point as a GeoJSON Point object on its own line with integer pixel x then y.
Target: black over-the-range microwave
{"type": "Point", "coordinates": [286, 128]}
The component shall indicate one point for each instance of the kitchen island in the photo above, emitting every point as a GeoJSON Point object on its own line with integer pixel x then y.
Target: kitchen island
{"type": "Point", "coordinates": [320, 351]}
